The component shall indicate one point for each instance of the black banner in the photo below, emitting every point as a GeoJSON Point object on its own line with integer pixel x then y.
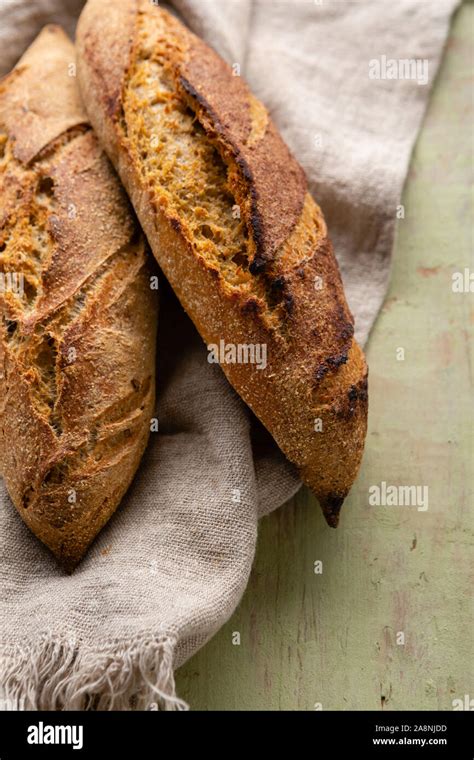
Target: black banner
{"type": "Point", "coordinates": [378, 734]}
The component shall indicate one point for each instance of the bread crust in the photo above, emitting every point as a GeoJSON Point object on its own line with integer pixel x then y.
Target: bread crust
{"type": "Point", "coordinates": [140, 71]}
{"type": "Point", "coordinates": [77, 347]}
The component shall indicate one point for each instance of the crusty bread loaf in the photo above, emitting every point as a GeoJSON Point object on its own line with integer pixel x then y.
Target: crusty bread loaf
{"type": "Point", "coordinates": [227, 213]}
{"type": "Point", "coordinates": [77, 341]}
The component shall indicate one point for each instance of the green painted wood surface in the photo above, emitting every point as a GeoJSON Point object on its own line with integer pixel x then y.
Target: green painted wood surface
{"type": "Point", "coordinates": [331, 638]}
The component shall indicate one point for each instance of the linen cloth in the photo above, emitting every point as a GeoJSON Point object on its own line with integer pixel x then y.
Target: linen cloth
{"type": "Point", "coordinates": [170, 567]}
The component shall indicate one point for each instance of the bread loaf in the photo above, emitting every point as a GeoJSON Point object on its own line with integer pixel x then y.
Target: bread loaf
{"type": "Point", "coordinates": [228, 216]}
{"type": "Point", "coordinates": [78, 316]}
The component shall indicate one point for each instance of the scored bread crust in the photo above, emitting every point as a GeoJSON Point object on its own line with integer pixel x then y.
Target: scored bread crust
{"type": "Point", "coordinates": [226, 210]}
{"type": "Point", "coordinates": [77, 332]}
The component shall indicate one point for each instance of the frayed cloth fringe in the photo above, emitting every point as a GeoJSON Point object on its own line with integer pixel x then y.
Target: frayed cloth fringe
{"type": "Point", "coordinates": [62, 674]}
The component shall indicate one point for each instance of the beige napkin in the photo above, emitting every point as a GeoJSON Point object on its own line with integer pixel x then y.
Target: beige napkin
{"type": "Point", "coordinates": [172, 564]}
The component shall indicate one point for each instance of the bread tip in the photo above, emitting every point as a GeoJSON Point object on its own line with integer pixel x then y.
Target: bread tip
{"type": "Point", "coordinates": [67, 566]}
{"type": "Point", "coordinates": [331, 506]}
{"type": "Point", "coordinates": [68, 562]}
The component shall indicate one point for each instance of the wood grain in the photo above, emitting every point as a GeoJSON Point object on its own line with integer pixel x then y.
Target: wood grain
{"type": "Point", "coordinates": [331, 638]}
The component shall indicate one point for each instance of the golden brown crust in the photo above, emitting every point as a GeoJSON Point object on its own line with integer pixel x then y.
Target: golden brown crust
{"type": "Point", "coordinates": [230, 116]}
{"type": "Point", "coordinates": [191, 144]}
{"type": "Point", "coordinates": [77, 346]}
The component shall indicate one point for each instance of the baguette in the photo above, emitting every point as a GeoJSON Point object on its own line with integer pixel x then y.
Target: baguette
{"type": "Point", "coordinates": [226, 211]}
{"type": "Point", "coordinates": [77, 341]}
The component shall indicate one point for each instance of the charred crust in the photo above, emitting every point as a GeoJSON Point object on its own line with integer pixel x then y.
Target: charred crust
{"type": "Point", "coordinates": [289, 303]}
{"type": "Point", "coordinates": [356, 396]}
{"type": "Point", "coordinates": [331, 364]}
{"type": "Point", "coordinates": [201, 100]}
{"type": "Point", "coordinates": [344, 323]}
{"type": "Point", "coordinates": [352, 395]}
{"type": "Point", "coordinates": [257, 266]}
{"type": "Point", "coordinates": [258, 232]}
{"type": "Point", "coordinates": [176, 224]}
{"type": "Point", "coordinates": [334, 362]}
{"type": "Point", "coordinates": [256, 224]}
{"type": "Point", "coordinates": [278, 292]}
{"type": "Point", "coordinates": [251, 306]}
{"type": "Point", "coordinates": [245, 169]}
{"type": "Point", "coordinates": [347, 332]}
{"type": "Point", "coordinates": [278, 283]}
{"type": "Point", "coordinates": [355, 400]}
